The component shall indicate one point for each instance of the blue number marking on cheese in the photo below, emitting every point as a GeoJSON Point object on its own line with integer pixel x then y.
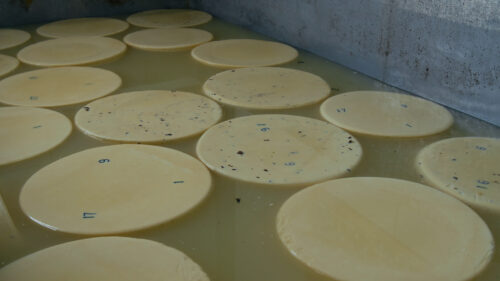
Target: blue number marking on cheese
{"type": "Point", "coordinates": [88, 215]}
{"type": "Point", "coordinates": [104, 160]}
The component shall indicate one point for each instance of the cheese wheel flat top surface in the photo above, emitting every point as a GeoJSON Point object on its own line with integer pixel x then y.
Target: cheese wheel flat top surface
{"type": "Point", "coordinates": [276, 149]}
{"type": "Point", "coordinates": [167, 39]}
{"type": "Point", "coordinates": [169, 18]}
{"type": "Point", "coordinates": [105, 258]}
{"type": "Point", "coordinates": [266, 88]}
{"type": "Point", "coordinates": [82, 27]}
{"type": "Point", "coordinates": [467, 168]}
{"type": "Point", "coordinates": [12, 37]}
{"type": "Point", "coordinates": [148, 116]}
{"type": "Point", "coordinates": [26, 132]}
{"type": "Point", "coordinates": [58, 86]}
{"type": "Point", "coordinates": [384, 229]}
{"type": "Point", "coordinates": [244, 53]}
{"type": "Point", "coordinates": [386, 114]}
{"type": "Point", "coordinates": [115, 189]}
{"type": "Point", "coordinates": [68, 51]}
{"type": "Point", "coordinates": [7, 64]}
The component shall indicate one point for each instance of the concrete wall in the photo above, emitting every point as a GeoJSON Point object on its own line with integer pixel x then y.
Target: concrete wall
{"type": "Point", "coordinates": [18, 12]}
{"type": "Point", "coordinates": [445, 50]}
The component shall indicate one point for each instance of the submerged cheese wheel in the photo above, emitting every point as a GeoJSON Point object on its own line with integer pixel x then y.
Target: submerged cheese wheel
{"type": "Point", "coordinates": [58, 86]}
{"type": "Point", "coordinates": [266, 88]}
{"type": "Point", "coordinates": [105, 258]}
{"type": "Point", "coordinates": [82, 27]}
{"type": "Point", "coordinates": [148, 116]}
{"type": "Point", "coordinates": [12, 37]}
{"type": "Point", "coordinates": [71, 51]}
{"type": "Point", "coordinates": [7, 64]}
{"type": "Point", "coordinates": [384, 229]}
{"type": "Point", "coordinates": [26, 132]}
{"type": "Point", "coordinates": [169, 18]}
{"type": "Point", "coordinates": [278, 150]}
{"type": "Point", "coordinates": [115, 189]}
{"type": "Point", "coordinates": [167, 39]}
{"type": "Point", "coordinates": [244, 53]}
{"type": "Point", "coordinates": [467, 168]}
{"type": "Point", "coordinates": [386, 114]}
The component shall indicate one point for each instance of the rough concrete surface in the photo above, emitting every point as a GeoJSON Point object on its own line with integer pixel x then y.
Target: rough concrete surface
{"type": "Point", "coordinates": [447, 51]}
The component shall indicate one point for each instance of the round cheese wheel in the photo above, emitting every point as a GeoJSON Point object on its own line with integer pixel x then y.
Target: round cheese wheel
{"type": "Point", "coordinates": [266, 88]}
{"type": "Point", "coordinates": [244, 53]}
{"type": "Point", "coordinates": [467, 168]}
{"type": "Point", "coordinates": [384, 229]}
{"type": "Point", "coordinates": [7, 64]}
{"type": "Point", "coordinates": [105, 258]}
{"type": "Point", "coordinates": [12, 37]}
{"type": "Point", "coordinates": [169, 18]}
{"type": "Point", "coordinates": [278, 150]}
{"type": "Point", "coordinates": [148, 116]}
{"type": "Point", "coordinates": [167, 39]}
{"type": "Point", "coordinates": [115, 189]}
{"type": "Point", "coordinates": [26, 132]}
{"type": "Point", "coordinates": [59, 86]}
{"type": "Point", "coordinates": [386, 114]}
{"type": "Point", "coordinates": [82, 27]}
{"type": "Point", "coordinates": [71, 51]}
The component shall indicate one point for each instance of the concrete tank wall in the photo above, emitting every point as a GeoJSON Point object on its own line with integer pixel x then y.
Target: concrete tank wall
{"type": "Point", "coordinates": [447, 51]}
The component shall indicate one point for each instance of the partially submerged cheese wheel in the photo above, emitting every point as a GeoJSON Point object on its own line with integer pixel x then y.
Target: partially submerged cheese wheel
{"type": "Point", "coordinates": [169, 18]}
{"type": "Point", "coordinates": [278, 150]}
{"type": "Point", "coordinates": [467, 168]}
{"type": "Point", "coordinates": [115, 189]}
{"type": "Point", "coordinates": [266, 88]}
{"type": "Point", "coordinates": [80, 50]}
{"type": "Point", "coordinates": [7, 64]}
{"type": "Point", "coordinates": [59, 86]}
{"type": "Point", "coordinates": [167, 39]}
{"type": "Point", "coordinates": [26, 132]}
{"type": "Point", "coordinates": [105, 258]}
{"type": "Point", "coordinates": [244, 53]}
{"type": "Point", "coordinates": [10, 38]}
{"type": "Point", "coordinates": [148, 116]}
{"type": "Point", "coordinates": [386, 114]}
{"type": "Point", "coordinates": [82, 27]}
{"type": "Point", "coordinates": [384, 229]}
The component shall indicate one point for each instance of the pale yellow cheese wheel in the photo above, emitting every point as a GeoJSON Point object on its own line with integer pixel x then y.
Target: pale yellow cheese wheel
{"type": "Point", "coordinates": [26, 132]}
{"type": "Point", "coordinates": [7, 64]}
{"type": "Point", "coordinates": [115, 189]}
{"type": "Point", "coordinates": [266, 88]}
{"type": "Point", "coordinates": [12, 37]}
{"type": "Point", "coordinates": [467, 168]}
{"type": "Point", "coordinates": [82, 27]}
{"type": "Point", "coordinates": [80, 50]}
{"type": "Point", "coordinates": [169, 18]}
{"type": "Point", "coordinates": [148, 116]}
{"type": "Point", "coordinates": [278, 150]}
{"type": "Point", "coordinates": [244, 53]}
{"type": "Point", "coordinates": [105, 258]}
{"type": "Point", "coordinates": [384, 229]}
{"type": "Point", "coordinates": [58, 86]}
{"type": "Point", "coordinates": [386, 114]}
{"type": "Point", "coordinates": [167, 39]}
